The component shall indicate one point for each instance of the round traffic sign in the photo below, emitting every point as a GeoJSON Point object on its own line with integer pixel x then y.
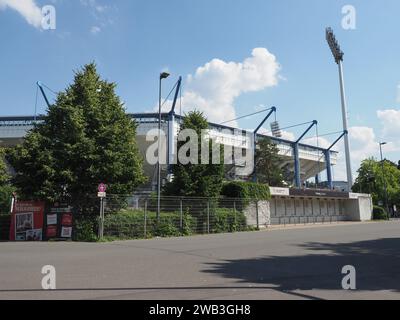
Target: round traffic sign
{"type": "Point", "coordinates": [102, 187]}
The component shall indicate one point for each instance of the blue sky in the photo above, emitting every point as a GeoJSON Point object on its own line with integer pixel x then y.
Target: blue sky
{"type": "Point", "coordinates": [214, 41]}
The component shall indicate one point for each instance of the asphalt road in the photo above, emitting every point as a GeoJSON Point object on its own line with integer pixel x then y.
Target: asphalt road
{"type": "Point", "coordinates": [299, 263]}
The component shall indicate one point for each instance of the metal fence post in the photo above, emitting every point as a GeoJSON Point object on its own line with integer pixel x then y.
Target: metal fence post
{"type": "Point", "coordinates": [234, 213]}
{"type": "Point", "coordinates": [257, 217]}
{"type": "Point", "coordinates": [101, 220]}
{"type": "Point", "coordinates": [181, 214]}
{"type": "Point", "coordinates": [208, 216]}
{"type": "Point", "coordinates": [102, 217]}
{"type": "Point", "coordinates": [145, 219]}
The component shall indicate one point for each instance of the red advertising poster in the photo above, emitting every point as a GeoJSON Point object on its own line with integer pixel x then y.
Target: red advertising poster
{"type": "Point", "coordinates": [27, 221]}
{"type": "Point", "coordinates": [59, 221]}
{"type": "Point", "coordinates": [51, 232]}
{"type": "Point", "coordinates": [66, 219]}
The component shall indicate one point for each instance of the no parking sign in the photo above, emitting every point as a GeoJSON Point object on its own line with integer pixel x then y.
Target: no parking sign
{"type": "Point", "coordinates": [101, 190]}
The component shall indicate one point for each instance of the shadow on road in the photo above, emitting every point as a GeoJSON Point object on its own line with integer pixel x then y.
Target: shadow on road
{"type": "Point", "coordinates": [377, 264]}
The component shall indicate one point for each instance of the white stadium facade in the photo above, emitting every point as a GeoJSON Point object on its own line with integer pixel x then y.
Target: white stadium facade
{"type": "Point", "coordinates": [312, 159]}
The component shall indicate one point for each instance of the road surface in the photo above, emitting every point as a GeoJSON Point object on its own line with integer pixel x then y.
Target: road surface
{"type": "Point", "coordinates": [297, 263]}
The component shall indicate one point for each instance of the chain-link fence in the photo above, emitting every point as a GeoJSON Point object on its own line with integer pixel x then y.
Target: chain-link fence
{"type": "Point", "coordinates": [143, 217]}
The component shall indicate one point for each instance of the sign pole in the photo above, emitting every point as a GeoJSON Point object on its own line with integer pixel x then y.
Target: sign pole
{"type": "Point", "coordinates": [102, 195]}
{"type": "Point", "coordinates": [101, 219]}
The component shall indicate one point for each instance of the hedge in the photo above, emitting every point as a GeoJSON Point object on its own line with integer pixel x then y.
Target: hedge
{"type": "Point", "coordinates": [380, 213]}
{"type": "Point", "coordinates": [5, 198]}
{"type": "Point", "coordinates": [227, 220]}
{"type": "Point", "coordinates": [129, 224]}
{"type": "Point", "coordinates": [85, 228]}
{"type": "Point", "coordinates": [246, 190]}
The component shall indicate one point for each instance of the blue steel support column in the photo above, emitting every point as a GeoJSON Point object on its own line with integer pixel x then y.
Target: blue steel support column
{"type": "Point", "coordinates": [328, 159]}
{"type": "Point", "coordinates": [329, 168]}
{"type": "Point", "coordinates": [39, 84]}
{"type": "Point", "coordinates": [171, 141]}
{"type": "Point", "coordinates": [296, 164]}
{"type": "Point", "coordinates": [297, 157]}
{"type": "Point", "coordinates": [171, 127]}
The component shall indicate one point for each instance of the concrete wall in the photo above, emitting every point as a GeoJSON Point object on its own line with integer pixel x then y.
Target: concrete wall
{"type": "Point", "coordinates": [286, 209]}
{"type": "Point", "coordinates": [264, 214]}
{"type": "Point", "coordinates": [359, 209]}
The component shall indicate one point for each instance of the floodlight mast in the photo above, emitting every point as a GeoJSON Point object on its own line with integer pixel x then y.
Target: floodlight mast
{"type": "Point", "coordinates": [338, 56]}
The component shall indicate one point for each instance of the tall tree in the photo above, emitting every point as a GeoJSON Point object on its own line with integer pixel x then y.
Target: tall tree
{"type": "Point", "coordinates": [371, 179]}
{"type": "Point", "coordinates": [86, 138]}
{"type": "Point", "coordinates": [267, 163]}
{"type": "Point", "coordinates": [4, 176]}
{"type": "Point", "coordinates": [199, 180]}
{"type": "Point", "coordinates": [5, 187]}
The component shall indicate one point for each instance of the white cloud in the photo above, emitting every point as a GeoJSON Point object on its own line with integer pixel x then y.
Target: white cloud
{"type": "Point", "coordinates": [288, 135]}
{"type": "Point", "coordinates": [100, 13]}
{"type": "Point", "coordinates": [93, 4]}
{"type": "Point", "coordinates": [320, 142]}
{"type": "Point", "coordinates": [390, 120]}
{"type": "Point", "coordinates": [27, 8]}
{"type": "Point", "coordinates": [95, 30]}
{"type": "Point", "coordinates": [363, 145]}
{"type": "Point", "coordinates": [214, 87]}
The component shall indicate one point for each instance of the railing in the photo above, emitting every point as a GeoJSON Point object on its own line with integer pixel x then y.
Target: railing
{"type": "Point", "coordinates": [136, 217]}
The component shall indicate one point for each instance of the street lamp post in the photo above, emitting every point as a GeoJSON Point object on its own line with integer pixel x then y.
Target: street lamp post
{"type": "Point", "coordinates": [163, 75]}
{"type": "Point", "coordinates": [383, 175]}
{"type": "Point", "coordinates": [338, 55]}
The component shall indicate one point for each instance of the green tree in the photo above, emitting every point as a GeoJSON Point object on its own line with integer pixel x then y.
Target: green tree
{"type": "Point", "coordinates": [86, 138]}
{"type": "Point", "coordinates": [371, 179]}
{"type": "Point", "coordinates": [267, 163]}
{"type": "Point", "coordinates": [4, 176]}
{"type": "Point", "coordinates": [5, 187]}
{"type": "Point", "coordinates": [199, 180]}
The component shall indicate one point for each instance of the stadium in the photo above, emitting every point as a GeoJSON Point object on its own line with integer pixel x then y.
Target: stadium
{"type": "Point", "coordinates": [312, 160]}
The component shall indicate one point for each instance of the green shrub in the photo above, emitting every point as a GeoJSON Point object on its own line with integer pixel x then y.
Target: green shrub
{"type": "Point", "coordinates": [380, 213]}
{"type": "Point", "coordinates": [243, 193]}
{"type": "Point", "coordinates": [5, 198]}
{"type": "Point", "coordinates": [130, 225]}
{"type": "Point", "coordinates": [124, 225]}
{"type": "Point", "coordinates": [246, 190]}
{"type": "Point", "coordinates": [166, 227]}
{"type": "Point", "coordinates": [188, 224]}
{"type": "Point", "coordinates": [227, 220]}
{"type": "Point", "coordinates": [85, 228]}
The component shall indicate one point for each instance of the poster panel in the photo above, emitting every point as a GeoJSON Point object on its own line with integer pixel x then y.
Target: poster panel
{"type": "Point", "coordinates": [27, 221]}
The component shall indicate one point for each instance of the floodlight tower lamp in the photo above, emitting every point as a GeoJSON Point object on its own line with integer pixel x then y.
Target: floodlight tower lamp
{"type": "Point", "coordinates": [338, 56]}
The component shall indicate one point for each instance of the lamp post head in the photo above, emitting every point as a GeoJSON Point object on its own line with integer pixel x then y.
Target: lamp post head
{"type": "Point", "coordinates": [164, 75]}
{"type": "Point", "coordinates": [382, 143]}
{"type": "Point", "coordinates": [334, 45]}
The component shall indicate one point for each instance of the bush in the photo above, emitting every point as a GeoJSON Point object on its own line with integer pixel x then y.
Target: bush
{"type": "Point", "coordinates": [380, 213]}
{"type": "Point", "coordinates": [85, 228]}
{"type": "Point", "coordinates": [243, 192]}
{"type": "Point", "coordinates": [5, 198]}
{"type": "Point", "coordinates": [130, 225]}
{"type": "Point", "coordinates": [227, 220]}
{"type": "Point", "coordinates": [126, 225]}
{"type": "Point", "coordinates": [246, 190]}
